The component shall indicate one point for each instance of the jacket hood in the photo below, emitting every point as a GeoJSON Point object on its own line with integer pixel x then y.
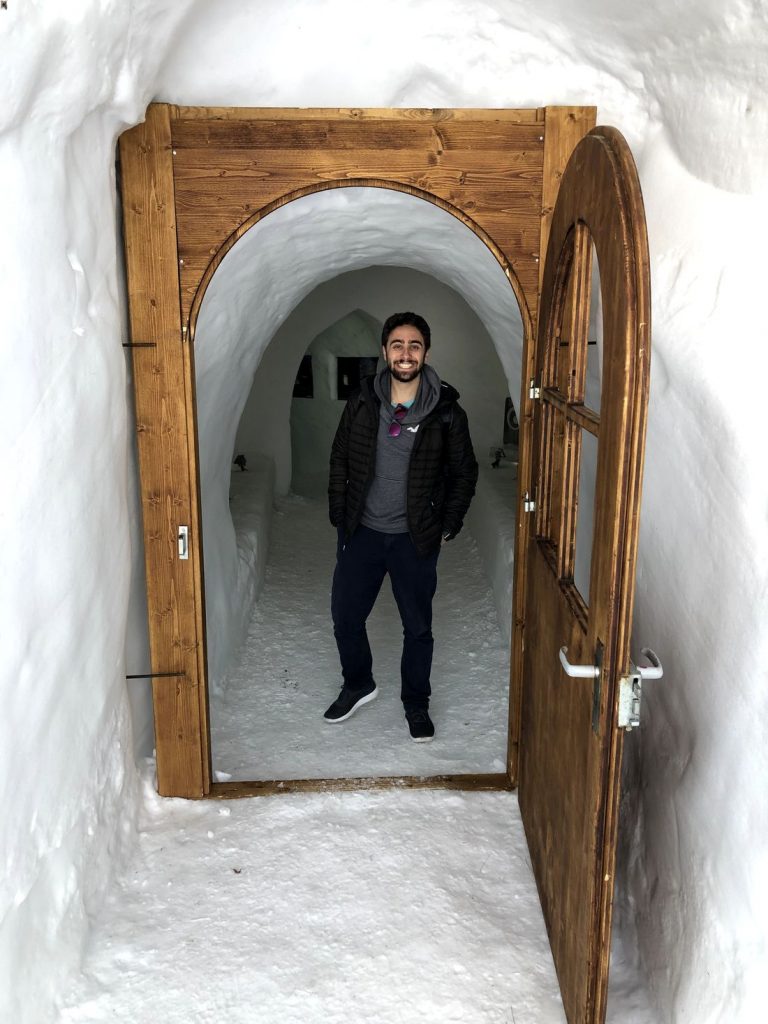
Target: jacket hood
{"type": "Point", "coordinates": [432, 392]}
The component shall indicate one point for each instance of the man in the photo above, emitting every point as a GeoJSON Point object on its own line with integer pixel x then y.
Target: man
{"type": "Point", "coordinates": [402, 476]}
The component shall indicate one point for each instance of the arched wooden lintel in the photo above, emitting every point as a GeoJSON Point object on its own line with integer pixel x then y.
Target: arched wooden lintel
{"type": "Point", "coordinates": [192, 180]}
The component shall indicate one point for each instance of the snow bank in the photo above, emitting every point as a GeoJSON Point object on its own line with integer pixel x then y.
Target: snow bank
{"type": "Point", "coordinates": [75, 76]}
{"type": "Point", "coordinates": [492, 522]}
{"type": "Point", "coordinates": [687, 84]}
{"type": "Point", "coordinates": [243, 530]}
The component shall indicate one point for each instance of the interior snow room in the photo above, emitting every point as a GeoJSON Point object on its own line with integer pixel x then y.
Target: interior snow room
{"type": "Point", "coordinates": [209, 211]}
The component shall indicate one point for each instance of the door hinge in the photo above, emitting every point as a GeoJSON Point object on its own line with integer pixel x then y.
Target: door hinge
{"type": "Point", "coordinates": [631, 689]}
{"type": "Point", "coordinates": [529, 502]}
{"type": "Point", "coordinates": [534, 391]}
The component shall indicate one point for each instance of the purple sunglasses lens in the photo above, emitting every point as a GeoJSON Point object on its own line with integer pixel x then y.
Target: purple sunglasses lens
{"type": "Point", "coordinates": [394, 426]}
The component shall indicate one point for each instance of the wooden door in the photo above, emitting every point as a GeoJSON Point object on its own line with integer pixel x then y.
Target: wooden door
{"type": "Point", "coordinates": [571, 743]}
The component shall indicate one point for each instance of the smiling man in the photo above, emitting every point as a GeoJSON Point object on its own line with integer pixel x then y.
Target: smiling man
{"type": "Point", "coordinates": [402, 476]}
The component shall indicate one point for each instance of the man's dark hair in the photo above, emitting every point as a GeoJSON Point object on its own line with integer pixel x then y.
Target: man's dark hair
{"type": "Point", "coordinates": [406, 320]}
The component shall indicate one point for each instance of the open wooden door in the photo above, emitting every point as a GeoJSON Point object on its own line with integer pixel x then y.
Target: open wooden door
{"type": "Point", "coordinates": [571, 740]}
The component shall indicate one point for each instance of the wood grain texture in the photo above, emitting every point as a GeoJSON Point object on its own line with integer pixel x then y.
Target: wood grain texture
{"type": "Point", "coordinates": [196, 555]}
{"type": "Point", "coordinates": [469, 783]}
{"type": "Point", "coordinates": [563, 128]}
{"type": "Point", "coordinates": [230, 172]}
{"type": "Point", "coordinates": [637, 334]}
{"type": "Point", "coordinates": [193, 264]}
{"type": "Point", "coordinates": [164, 454]}
{"type": "Point", "coordinates": [357, 115]}
{"type": "Point", "coordinates": [569, 771]}
{"type": "Point", "coordinates": [571, 346]}
{"type": "Point", "coordinates": [328, 134]}
{"type": "Point", "coordinates": [580, 414]}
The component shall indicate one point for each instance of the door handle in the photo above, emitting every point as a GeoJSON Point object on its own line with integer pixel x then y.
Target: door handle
{"type": "Point", "coordinates": [578, 671]}
{"type": "Point", "coordinates": [652, 671]}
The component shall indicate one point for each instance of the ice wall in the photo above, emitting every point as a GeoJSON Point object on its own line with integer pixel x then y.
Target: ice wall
{"type": "Point", "coordinates": [686, 82]}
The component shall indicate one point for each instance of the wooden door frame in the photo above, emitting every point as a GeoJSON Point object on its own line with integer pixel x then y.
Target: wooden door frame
{"type": "Point", "coordinates": [437, 155]}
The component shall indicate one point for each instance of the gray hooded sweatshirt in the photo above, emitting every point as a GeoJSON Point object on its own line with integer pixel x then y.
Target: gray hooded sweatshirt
{"type": "Point", "coordinates": [385, 504]}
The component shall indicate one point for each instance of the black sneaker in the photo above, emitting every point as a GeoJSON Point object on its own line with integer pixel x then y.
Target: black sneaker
{"type": "Point", "coordinates": [420, 724]}
{"type": "Point", "coordinates": [347, 703]}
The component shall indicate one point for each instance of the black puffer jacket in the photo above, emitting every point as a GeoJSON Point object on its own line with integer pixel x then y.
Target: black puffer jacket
{"type": "Point", "coordinates": [442, 472]}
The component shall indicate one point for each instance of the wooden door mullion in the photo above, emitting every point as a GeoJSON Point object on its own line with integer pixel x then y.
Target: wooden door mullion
{"type": "Point", "coordinates": [570, 501]}
{"type": "Point", "coordinates": [544, 443]}
{"type": "Point", "coordinates": [577, 314]}
{"type": "Point", "coordinates": [549, 441]}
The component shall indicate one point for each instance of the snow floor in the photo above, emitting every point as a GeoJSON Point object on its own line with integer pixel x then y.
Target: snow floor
{"type": "Point", "coordinates": [389, 907]}
{"type": "Point", "coordinates": [269, 724]}
{"type": "Point", "coordinates": [394, 907]}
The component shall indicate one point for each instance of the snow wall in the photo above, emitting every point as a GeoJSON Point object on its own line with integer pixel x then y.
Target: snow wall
{"type": "Point", "coordinates": [462, 351]}
{"type": "Point", "coordinates": [687, 84]}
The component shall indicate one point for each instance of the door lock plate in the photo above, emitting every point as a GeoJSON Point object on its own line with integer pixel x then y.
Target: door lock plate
{"type": "Point", "coordinates": [630, 697]}
{"type": "Point", "coordinates": [183, 542]}
{"type": "Point", "coordinates": [631, 689]}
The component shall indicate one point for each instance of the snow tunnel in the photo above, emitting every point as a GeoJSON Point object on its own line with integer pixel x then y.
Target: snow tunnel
{"type": "Point", "coordinates": [686, 84]}
{"type": "Point", "coordinates": [229, 229]}
{"type": "Point", "coordinates": [336, 233]}
{"type": "Point", "coordinates": [286, 439]}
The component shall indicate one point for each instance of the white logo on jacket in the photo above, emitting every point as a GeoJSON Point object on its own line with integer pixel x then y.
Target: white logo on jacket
{"type": "Point", "coordinates": [413, 429]}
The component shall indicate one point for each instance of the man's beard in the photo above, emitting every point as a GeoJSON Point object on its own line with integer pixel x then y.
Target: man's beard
{"type": "Point", "coordinates": [405, 376]}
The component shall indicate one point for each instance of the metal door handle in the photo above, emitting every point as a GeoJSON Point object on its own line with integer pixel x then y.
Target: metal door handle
{"type": "Point", "coordinates": [652, 671]}
{"type": "Point", "coordinates": [578, 671]}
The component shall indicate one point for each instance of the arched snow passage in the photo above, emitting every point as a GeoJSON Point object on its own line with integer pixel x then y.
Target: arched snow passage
{"type": "Point", "coordinates": [261, 279]}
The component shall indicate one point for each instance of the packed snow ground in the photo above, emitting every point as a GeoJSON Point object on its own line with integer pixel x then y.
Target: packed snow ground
{"type": "Point", "coordinates": [392, 907]}
{"type": "Point", "coordinates": [269, 725]}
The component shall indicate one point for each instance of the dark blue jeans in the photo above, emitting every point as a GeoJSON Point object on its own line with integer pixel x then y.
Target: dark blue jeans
{"type": "Point", "coordinates": [361, 566]}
